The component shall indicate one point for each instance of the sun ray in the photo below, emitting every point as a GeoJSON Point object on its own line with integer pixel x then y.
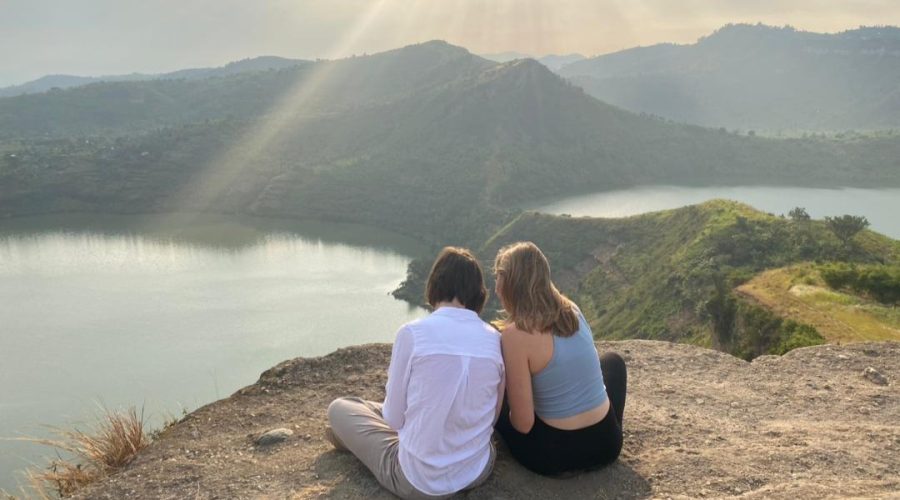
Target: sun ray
{"type": "Point", "coordinates": [219, 175]}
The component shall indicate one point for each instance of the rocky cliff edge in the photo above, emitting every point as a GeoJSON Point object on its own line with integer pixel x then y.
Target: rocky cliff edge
{"type": "Point", "coordinates": [817, 422]}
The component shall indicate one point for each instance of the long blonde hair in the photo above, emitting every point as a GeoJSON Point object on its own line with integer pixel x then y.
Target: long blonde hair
{"type": "Point", "coordinates": [531, 300]}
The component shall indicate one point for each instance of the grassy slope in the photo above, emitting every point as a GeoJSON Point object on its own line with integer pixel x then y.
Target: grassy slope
{"type": "Point", "coordinates": [669, 275]}
{"type": "Point", "coordinates": [799, 293]}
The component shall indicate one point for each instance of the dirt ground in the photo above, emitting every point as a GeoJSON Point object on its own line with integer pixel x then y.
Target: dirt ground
{"type": "Point", "coordinates": [698, 423]}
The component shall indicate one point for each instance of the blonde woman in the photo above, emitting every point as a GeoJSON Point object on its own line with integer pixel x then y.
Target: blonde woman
{"type": "Point", "coordinates": [565, 405]}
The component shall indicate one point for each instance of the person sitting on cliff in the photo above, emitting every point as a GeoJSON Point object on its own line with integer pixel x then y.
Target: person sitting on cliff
{"type": "Point", "coordinates": [558, 416]}
{"type": "Point", "coordinates": [432, 435]}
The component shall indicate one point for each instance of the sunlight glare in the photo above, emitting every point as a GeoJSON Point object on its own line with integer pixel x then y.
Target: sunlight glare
{"type": "Point", "coordinates": [217, 177]}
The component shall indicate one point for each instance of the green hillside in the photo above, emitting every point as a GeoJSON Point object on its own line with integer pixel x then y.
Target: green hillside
{"type": "Point", "coordinates": [671, 275]}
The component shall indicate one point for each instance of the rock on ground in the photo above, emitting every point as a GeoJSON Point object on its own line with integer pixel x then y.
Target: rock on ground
{"type": "Point", "coordinates": [698, 423]}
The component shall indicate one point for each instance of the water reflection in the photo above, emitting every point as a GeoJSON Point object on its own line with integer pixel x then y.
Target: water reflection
{"type": "Point", "coordinates": [99, 309]}
{"type": "Point", "coordinates": [226, 232]}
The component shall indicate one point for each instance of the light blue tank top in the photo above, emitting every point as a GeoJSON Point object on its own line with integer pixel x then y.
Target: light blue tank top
{"type": "Point", "coordinates": [572, 382]}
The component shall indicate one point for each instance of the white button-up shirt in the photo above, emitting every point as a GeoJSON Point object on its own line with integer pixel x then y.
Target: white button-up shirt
{"type": "Point", "coordinates": [445, 384]}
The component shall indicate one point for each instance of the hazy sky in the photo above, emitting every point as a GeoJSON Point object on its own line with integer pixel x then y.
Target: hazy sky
{"type": "Point", "coordinates": [92, 37]}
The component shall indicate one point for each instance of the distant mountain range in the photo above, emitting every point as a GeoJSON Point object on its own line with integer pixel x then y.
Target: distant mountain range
{"type": "Point", "coordinates": [770, 80]}
{"type": "Point", "coordinates": [50, 82]}
{"type": "Point", "coordinates": [757, 77]}
{"type": "Point", "coordinates": [428, 139]}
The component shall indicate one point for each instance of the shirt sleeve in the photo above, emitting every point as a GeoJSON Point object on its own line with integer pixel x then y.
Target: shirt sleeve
{"type": "Point", "coordinates": [501, 393]}
{"type": "Point", "coordinates": [394, 410]}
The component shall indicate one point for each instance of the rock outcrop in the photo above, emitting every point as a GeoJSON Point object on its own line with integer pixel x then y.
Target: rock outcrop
{"type": "Point", "coordinates": [699, 423]}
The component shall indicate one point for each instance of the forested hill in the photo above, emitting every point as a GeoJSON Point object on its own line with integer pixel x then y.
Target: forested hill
{"type": "Point", "coordinates": [117, 108]}
{"type": "Point", "coordinates": [60, 82]}
{"type": "Point", "coordinates": [757, 77]}
{"type": "Point", "coordinates": [429, 140]}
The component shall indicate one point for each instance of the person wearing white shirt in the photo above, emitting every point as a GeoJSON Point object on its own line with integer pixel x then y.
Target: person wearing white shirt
{"type": "Point", "coordinates": [432, 435]}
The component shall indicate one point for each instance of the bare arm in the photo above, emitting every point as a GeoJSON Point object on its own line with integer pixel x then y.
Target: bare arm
{"type": "Point", "coordinates": [518, 380]}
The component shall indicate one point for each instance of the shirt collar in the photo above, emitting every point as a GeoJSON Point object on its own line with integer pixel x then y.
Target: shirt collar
{"type": "Point", "coordinates": [455, 312]}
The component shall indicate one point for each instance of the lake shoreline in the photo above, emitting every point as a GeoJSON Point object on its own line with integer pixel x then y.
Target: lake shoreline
{"type": "Point", "coordinates": [875, 204]}
{"type": "Point", "coordinates": [9, 223]}
{"type": "Point", "coordinates": [577, 193]}
{"type": "Point", "coordinates": [124, 317]}
{"type": "Point", "coordinates": [532, 206]}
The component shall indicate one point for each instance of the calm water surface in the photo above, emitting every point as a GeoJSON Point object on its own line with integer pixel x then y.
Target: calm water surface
{"type": "Point", "coordinates": [173, 314]}
{"type": "Point", "coordinates": [880, 206]}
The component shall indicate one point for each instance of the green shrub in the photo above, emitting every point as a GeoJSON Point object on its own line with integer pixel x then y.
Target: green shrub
{"type": "Point", "coordinates": [837, 274]}
{"type": "Point", "coordinates": [881, 282]}
{"type": "Point", "coordinates": [794, 335]}
{"type": "Point", "coordinates": [758, 331]}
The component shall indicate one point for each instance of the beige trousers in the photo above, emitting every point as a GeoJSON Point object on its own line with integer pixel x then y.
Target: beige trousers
{"type": "Point", "coordinates": [359, 426]}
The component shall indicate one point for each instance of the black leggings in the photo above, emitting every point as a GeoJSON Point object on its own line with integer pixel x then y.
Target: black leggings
{"type": "Point", "coordinates": [550, 451]}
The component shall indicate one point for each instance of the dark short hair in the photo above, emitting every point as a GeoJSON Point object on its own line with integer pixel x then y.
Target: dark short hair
{"type": "Point", "coordinates": [456, 274]}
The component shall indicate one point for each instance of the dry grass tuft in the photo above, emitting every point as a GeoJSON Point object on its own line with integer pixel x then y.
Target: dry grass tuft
{"type": "Point", "coordinates": [118, 437]}
{"type": "Point", "coordinates": [60, 479]}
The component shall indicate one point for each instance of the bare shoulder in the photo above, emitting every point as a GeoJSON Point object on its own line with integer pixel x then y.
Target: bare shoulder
{"type": "Point", "coordinates": [511, 335]}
